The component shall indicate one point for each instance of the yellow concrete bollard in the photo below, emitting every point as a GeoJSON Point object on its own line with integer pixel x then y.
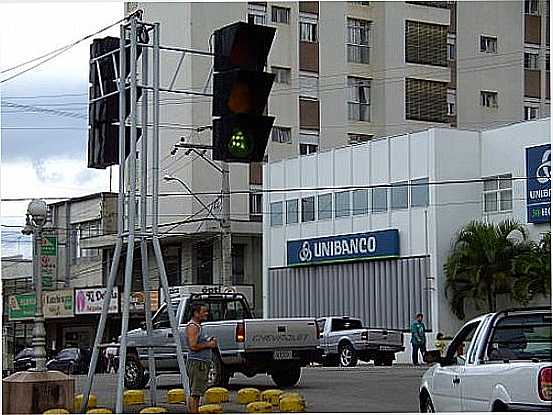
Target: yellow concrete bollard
{"type": "Point", "coordinates": [216, 395]}
{"type": "Point", "coordinates": [211, 409]}
{"type": "Point", "coordinates": [248, 395]}
{"type": "Point", "coordinates": [99, 411]}
{"type": "Point", "coordinates": [259, 407]}
{"type": "Point", "coordinates": [56, 411]}
{"type": "Point", "coordinates": [78, 401]}
{"type": "Point", "coordinates": [271, 395]}
{"type": "Point", "coordinates": [291, 405]}
{"type": "Point", "coordinates": [176, 396]}
{"type": "Point", "coordinates": [293, 395]}
{"type": "Point", "coordinates": [153, 410]}
{"type": "Point", "coordinates": [133, 397]}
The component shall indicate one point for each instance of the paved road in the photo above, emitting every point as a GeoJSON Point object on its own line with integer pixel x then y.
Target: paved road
{"type": "Point", "coordinates": [361, 389]}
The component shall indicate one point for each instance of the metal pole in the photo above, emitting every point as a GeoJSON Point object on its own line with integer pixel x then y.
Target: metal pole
{"type": "Point", "coordinates": [39, 333]}
{"type": "Point", "coordinates": [143, 243]}
{"type": "Point", "coordinates": [131, 227]}
{"type": "Point", "coordinates": [155, 143]}
{"type": "Point", "coordinates": [226, 238]}
{"type": "Point", "coordinates": [543, 89]}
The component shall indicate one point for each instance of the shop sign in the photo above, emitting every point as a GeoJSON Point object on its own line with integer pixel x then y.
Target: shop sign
{"type": "Point", "coordinates": [48, 259]}
{"type": "Point", "coordinates": [351, 247]}
{"type": "Point", "coordinates": [22, 307]}
{"type": "Point", "coordinates": [138, 300]}
{"type": "Point", "coordinates": [91, 300]}
{"type": "Point", "coordinates": [59, 304]}
{"type": "Point", "coordinates": [186, 290]}
{"type": "Point", "coordinates": [538, 183]}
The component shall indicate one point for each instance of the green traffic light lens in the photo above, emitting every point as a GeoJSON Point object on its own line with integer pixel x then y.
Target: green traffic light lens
{"type": "Point", "coordinates": [239, 145]}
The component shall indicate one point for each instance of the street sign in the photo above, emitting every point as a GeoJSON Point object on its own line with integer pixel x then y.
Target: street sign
{"type": "Point", "coordinates": [48, 259]}
{"type": "Point", "coordinates": [22, 307]}
{"type": "Point", "coordinates": [186, 290]}
{"type": "Point", "coordinates": [138, 301]}
{"type": "Point", "coordinates": [58, 304]}
{"type": "Point", "coordinates": [91, 300]}
{"type": "Point", "coordinates": [538, 183]}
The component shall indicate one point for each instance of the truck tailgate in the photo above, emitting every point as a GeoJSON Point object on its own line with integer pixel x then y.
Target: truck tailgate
{"type": "Point", "coordinates": [385, 337]}
{"type": "Point", "coordinates": [271, 334]}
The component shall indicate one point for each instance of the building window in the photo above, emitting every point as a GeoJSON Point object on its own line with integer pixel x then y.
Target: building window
{"type": "Point", "coordinates": [531, 61]}
{"type": "Point", "coordinates": [451, 49]}
{"type": "Point", "coordinates": [360, 202]}
{"type": "Point", "coordinates": [426, 100]}
{"type": "Point", "coordinates": [451, 103]}
{"type": "Point", "coordinates": [257, 13]}
{"type": "Point", "coordinates": [419, 192]}
{"type": "Point", "coordinates": [531, 113]}
{"type": "Point", "coordinates": [399, 195]}
{"type": "Point", "coordinates": [359, 91]}
{"type": "Point", "coordinates": [531, 7]}
{"type": "Point", "coordinates": [280, 15]}
{"type": "Point", "coordinates": [306, 149]}
{"type": "Point", "coordinates": [308, 28]}
{"type": "Point", "coordinates": [354, 138]}
{"type": "Point", "coordinates": [309, 86]}
{"type": "Point", "coordinates": [498, 194]}
{"type": "Point", "coordinates": [342, 204]}
{"type": "Point", "coordinates": [308, 209]}
{"type": "Point", "coordinates": [325, 206]}
{"type": "Point", "coordinates": [488, 99]}
{"type": "Point", "coordinates": [276, 213]}
{"type": "Point", "coordinates": [488, 44]}
{"type": "Point", "coordinates": [379, 199]}
{"type": "Point", "coordinates": [281, 135]}
{"type": "Point", "coordinates": [256, 204]}
{"type": "Point", "coordinates": [359, 34]}
{"type": "Point", "coordinates": [282, 75]}
{"type": "Point", "coordinates": [425, 43]}
{"type": "Point", "coordinates": [547, 63]}
{"type": "Point", "coordinates": [203, 264]}
{"type": "Point", "coordinates": [238, 263]}
{"type": "Point", "coordinates": [291, 211]}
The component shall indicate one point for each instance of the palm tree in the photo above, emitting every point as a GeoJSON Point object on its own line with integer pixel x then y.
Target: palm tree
{"type": "Point", "coordinates": [532, 269]}
{"type": "Point", "coordinates": [480, 265]}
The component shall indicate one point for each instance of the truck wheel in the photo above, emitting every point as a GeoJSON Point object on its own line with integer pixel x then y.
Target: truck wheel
{"type": "Point", "coordinates": [217, 375]}
{"type": "Point", "coordinates": [388, 360]}
{"type": "Point", "coordinates": [287, 378]}
{"type": "Point", "coordinates": [348, 356]}
{"type": "Point", "coordinates": [135, 375]}
{"type": "Point", "coordinates": [426, 405]}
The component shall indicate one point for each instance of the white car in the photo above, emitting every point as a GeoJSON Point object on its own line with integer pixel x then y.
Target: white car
{"type": "Point", "coordinates": [496, 362]}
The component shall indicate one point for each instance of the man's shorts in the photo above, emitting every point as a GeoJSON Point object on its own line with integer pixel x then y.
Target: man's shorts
{"type": "Point", "coordinates": [197, 372]}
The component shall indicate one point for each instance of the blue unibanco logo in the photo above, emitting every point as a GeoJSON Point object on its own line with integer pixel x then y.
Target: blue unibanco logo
{"type": "Point", "coordinates": [341, 247]}
{"type": "Point", "coordinates": [543, 172]}
{"type": "Point", "coordinates": [305, 252]}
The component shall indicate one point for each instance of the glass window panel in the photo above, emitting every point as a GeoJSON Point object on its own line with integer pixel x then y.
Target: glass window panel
{"type": "Point", "coordinates": [308, 209]}
{"type": "Point", "coordinates": [292, 211]}
{"type": "Point", "coordinates": [379, 199]}
{"type": "Point", "coordinates": [342, 204]}
{"type": "Point", "coordinates": [490, 184]}
{"type": "Point", "coordinates": [399, 195]}
{"type": "Point", "coordinates": [419, 192]}
{"type": "Point", "coordinates": [276, 213]}
{"type": "Point", "coordinates": [490, 202]}
{"type": "Point", "coordinates": [506, 200]}
{"type": "Point", "coordinates": [360, 202]}
{"type": "Point", "coordinates": [325, 206]}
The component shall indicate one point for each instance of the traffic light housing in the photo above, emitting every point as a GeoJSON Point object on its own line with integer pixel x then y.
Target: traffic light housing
{"type": "Point", "coordinates": [240, 92]}
{"type": "Point", "coordinates": [103, 133]}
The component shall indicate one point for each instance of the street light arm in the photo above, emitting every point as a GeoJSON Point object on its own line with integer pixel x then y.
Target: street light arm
{"type": "Point", "coordinates": [173, 178]}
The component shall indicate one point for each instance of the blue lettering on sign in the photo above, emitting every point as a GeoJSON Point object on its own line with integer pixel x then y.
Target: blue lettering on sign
{"type": "Point", "coordinates": [357, 246]}
{"type": "Point", "coordinates": [538, 183]}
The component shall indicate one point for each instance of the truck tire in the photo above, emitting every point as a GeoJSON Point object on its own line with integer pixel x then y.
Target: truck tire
{"type": "Point", "coordinates": [135, 375]}
{"type": "Point", "coordinates": [217, 375]}
{"type": "Point", "coordinates": [388, 359]}
{"type": "Point", "coordinates": [347, 355]}
{"type": "Point", "coordinates": [287, 377]}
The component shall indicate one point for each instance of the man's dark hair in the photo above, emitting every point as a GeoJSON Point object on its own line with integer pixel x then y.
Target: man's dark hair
{"type": "Point", "coordinates": [419, 315]}
{"type": "Point", "coordinates": [196, 306]}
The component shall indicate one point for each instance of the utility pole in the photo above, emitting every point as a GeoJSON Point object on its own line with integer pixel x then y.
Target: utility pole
{"type": "Point", "coordinates": [226, 238]}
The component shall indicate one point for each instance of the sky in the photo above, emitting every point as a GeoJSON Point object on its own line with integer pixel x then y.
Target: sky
{"type": "Point", "coordinates": [44, 155]}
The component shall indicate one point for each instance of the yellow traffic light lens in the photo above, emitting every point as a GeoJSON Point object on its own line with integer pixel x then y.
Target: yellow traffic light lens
{"type": "Point", "coordinates": [239, 145]}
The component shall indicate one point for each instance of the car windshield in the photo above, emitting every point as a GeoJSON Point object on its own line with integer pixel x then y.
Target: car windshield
{"type": "Point", "coordinates": [522, 337]}
{"type": "Point", "coordinates": [68, 354]}
{"type": "Point", "coordinates": [28, 352]}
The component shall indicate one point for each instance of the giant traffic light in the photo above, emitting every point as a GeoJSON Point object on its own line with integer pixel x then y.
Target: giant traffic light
{"type": "Point", "coordinates": [240, 92]}
{"type": "Point", "coordinates": [103, 133]}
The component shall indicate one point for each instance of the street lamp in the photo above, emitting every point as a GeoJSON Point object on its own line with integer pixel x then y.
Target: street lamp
{"type": "Point", "coordinates": [36, 216]}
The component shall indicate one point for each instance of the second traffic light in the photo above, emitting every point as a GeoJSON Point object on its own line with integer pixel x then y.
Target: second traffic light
{"type": "Point", "coordinates": [240, 92]}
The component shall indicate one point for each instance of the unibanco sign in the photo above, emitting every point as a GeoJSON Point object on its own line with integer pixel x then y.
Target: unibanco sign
{"type": "Point", "coordinates": [351, 247]}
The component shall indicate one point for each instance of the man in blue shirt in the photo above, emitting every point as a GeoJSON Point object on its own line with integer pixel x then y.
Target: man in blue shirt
{"type": "Point", "coordinates": [418, 338]}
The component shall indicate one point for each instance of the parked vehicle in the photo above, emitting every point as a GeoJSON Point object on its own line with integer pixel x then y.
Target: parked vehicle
{"type": "Point", "coordinates": [24, 360]}
{"type": "Point", "coordinates": [278, 347]}
{"type": "Point", "coordinates": [344, 341]}
{"type": "Point", "coordinates": [496, 362]}
{"type": "Point", "coordinates": [73, 361]}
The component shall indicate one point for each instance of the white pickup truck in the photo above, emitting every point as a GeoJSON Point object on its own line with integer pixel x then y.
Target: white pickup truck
{"type": "Point", "coordinates": [496, 362]}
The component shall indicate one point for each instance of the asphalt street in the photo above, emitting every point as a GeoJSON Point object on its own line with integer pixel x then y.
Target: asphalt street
{"type": "Point", "coordinates": [360, 389]}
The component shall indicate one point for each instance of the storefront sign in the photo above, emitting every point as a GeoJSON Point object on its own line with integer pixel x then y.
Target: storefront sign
{"type": "Point", "coordinates": [138, 301]}
{"type": "Point", "coordinates": [48, 259]}
{"type": "Point", "coordinates": [352, 247]}
{"type": "Point", "coordinates": [59, 304]}
{"type": "Point", "coordinates": [22, 307]}
{"type": "Point", "coordinates": [186, 290]}
{"type": "Point", "coordinates": [538, 183]}
{"type": "Point", "coordinates": [91, 300]}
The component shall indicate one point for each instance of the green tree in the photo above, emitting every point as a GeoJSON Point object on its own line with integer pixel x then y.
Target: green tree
{"type": "Point", "coordinates": [532, 270]}
{"type": "Point", "coordinates": [480, 264]}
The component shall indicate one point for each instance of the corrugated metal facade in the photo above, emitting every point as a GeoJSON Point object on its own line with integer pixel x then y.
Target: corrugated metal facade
{"type": "Point", "coordinates": [384, 294]}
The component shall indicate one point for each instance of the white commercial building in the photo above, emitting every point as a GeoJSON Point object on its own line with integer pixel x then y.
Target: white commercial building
{"type": "Point", "coordinates": [365, 230]}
